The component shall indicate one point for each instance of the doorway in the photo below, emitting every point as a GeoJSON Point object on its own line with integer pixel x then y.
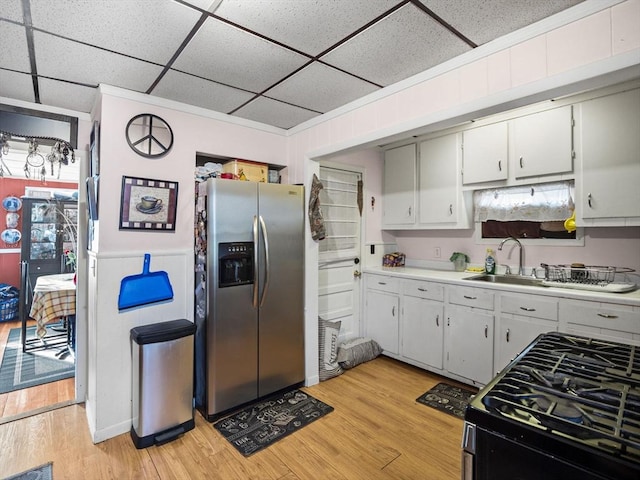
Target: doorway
{"type": "Point", "coordinates": [339, 253]}
{"type": "Point", "coordinates": [36, 385]}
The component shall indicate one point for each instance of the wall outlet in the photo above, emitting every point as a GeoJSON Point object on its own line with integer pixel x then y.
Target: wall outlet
{"type": "Point", "coordinates": [436, 252]}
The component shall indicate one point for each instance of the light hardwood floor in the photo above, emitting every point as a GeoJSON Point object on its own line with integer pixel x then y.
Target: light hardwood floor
{"type": "Point", "coordinates": [377, 431]}
{"type": "Point", "coordinates": [35, 398]}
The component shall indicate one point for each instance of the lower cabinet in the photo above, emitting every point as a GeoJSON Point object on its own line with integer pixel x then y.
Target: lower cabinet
{"type": "Point", "coordinates": [469, 343]}
{"type": "Point", "coordinates": [422, 323]}
{"type": "Point", "coordinates": [618, 323]}
{"type": "Point", "coordinates": [382, 312]}
{"type": "Point", "coordinates": [522, 319]}
{"type": "Point", "coordinates": [471, 333]}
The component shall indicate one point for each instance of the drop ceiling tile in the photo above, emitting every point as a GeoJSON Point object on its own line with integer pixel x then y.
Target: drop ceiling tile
{"type": "Point", "coordinates": [67, 60]}
{"type": "Point", "coordinates": [16, 57]}
{"type": "Point", "coordinates": [231, 56]}
{"type": "Point", "coordinates": [146, 29]}
{"type": "Point", "coordinates": [16, 85]}
{"type": "Point", "coordinates": [484, 20]}
{"type": "Point", "coordinates": [274, 113]}
{"type": "Point", "coordinates": [330, 88]}
{"type": "Point", "coordinates": [310, 27]}
{"type": "Point", "coordinates": [196, 91]}
{"type": "Point", "coordinates": [403, 44]}
{"type": "Point", "coordinates": [12, 10]}
{"type": "Point", "coordinates": [66, 95]}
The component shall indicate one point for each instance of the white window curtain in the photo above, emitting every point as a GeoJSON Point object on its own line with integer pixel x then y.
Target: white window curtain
{"type": "Point", "coordinates": [535, 203]}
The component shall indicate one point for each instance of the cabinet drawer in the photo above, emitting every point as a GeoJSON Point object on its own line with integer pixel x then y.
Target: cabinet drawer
{"type": "Point", "coordinates": [429, 290]}
{"type": "Point", "coordinates": [384, 284]}
{"type": "Point", "coordinates": [607, 316]}
{"type": "Point", "coordinates": [472, 297]}
{"type": "Point", "coordinates": [529, 305]}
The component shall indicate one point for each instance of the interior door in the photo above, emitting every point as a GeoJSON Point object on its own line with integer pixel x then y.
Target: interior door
{"type": "Point", "coordinates": [339, 259]}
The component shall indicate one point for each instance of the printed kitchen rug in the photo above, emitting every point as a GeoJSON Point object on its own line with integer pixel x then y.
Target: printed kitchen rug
{"type": "Point", "coordinates": [267, 421]}
{"type": "Point", "coordinates": [43, 472]}
{"type": "Point", "coordinates": [27, 369]}
{"type": "Point", "coordinates": [447, 398]}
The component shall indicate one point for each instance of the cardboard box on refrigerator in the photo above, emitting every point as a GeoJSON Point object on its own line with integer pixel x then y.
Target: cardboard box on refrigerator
{"type": "Point", "coordinates": [246, 170]}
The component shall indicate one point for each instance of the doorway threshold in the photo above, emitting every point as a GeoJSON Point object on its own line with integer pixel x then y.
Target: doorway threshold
{"type": "Point", "coordinates": [37, 411]}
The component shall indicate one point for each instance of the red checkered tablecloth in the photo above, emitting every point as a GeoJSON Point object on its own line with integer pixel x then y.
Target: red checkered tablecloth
{"type": "Point", "coordinates": [54, 296]}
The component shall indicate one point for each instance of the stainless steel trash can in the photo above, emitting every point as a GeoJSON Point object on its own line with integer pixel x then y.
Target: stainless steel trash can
{"type": "Point", "coordinates": [162, 382]}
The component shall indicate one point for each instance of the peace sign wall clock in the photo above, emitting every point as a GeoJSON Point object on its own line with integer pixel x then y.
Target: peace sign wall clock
{"type": "Point", "coordinates": [149, 135]}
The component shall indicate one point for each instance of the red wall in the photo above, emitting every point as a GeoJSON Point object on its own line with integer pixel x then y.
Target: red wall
{"type": "Point", "coordinates": [10, 262]}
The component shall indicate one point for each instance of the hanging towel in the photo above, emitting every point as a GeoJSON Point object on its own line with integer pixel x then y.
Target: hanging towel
{"type": "Point", "coordinates": [316, 221]}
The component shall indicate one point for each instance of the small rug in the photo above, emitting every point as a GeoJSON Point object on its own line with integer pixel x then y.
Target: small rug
{"type": "Point", "coordinates": [27, 369]}
{"type": "Point", "coordinates": [449, 399]}
{"type": "Point", "coordinates": [43, 472]}
{"type": "Point", "coordinates": [264, 423]}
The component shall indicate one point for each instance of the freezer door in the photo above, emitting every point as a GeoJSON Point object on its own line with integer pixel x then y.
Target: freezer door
{"type": "Point", "coordinates": [281, 293]}
{"type": "Point", "coordinates": [232, 320]}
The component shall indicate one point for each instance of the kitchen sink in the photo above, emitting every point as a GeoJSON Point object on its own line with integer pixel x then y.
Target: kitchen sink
{"type": "Point", "coordinates": [508, 279]}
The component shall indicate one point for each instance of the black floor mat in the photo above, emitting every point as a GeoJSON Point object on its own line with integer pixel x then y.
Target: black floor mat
{"type": "Point", "coordinates": [267, 421]}
{"type": "Point", "coordinates": [448, 398]}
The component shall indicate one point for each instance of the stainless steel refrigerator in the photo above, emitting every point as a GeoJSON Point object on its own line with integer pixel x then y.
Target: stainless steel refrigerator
{"type": "Point", "coordinates": [250, 278]}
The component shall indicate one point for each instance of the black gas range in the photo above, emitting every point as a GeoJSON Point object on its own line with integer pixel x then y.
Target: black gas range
{"type": "Point", "coordinates": [568, 407]}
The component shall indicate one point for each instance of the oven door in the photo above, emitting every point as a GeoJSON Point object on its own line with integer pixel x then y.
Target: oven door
{"type": "Point", "coordinates": [493, 457]}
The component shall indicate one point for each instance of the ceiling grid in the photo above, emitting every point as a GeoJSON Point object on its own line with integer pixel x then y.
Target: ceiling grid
{"type": "Point", "coordinates": [278, 62]}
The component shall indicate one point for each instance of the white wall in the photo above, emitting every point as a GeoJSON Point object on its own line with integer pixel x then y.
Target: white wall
{"type": "Point", "coordinates": [119, 253]}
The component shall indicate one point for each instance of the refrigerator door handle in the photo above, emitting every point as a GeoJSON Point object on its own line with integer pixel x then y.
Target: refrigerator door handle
{"type": "Point", "coordinates": [266, 259]}
{"type": "Point", "coordinates": [255, 262]}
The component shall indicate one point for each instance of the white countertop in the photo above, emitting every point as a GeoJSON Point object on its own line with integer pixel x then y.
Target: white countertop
{"type": "Point", "coordinates": [458, 278]}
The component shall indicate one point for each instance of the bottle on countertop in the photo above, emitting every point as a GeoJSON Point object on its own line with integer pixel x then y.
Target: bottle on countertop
{"type": "Point", "coordinates": [490, 262]}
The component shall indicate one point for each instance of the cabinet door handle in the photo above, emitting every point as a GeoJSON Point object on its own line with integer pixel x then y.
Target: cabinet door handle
{"type": "Point", "coordinates": [508, 332]}
{"type": "Point", "coordinates": [409, 211]}
{"type": "Point", "coordinates": [420, 289]}
{"type": "Point", "coordinates": [448, 321]}
{"type": "Point", "coordinates": [521, 162]}
{"type": "Point", "coordinates": [469, 297]}
{"type": "Point", "coordinates": [437, 320]}
{"type": "Point", "coordinates": [528, 309]}
{"type": "Point", "coordinates": [607, 315]}
{"type": "Point", "coordinates": [499, 165]}
{"type": "Point", "coordinates": [393, 311]}
{"type": "Point", "coordinates": [589, 197]}
{"type": "Point", "coordinates": [382, 283]}
{"type": "Point", "coordinates": [486, 331]}
{"type": "Point", "coordinates": [450, 209]}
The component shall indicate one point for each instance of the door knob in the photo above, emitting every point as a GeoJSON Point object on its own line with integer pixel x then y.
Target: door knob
{"type": "Point", "coordinates": [356, 273]}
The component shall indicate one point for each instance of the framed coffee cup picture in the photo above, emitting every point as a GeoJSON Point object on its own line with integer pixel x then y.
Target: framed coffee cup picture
{"type": "Point", "coordinates": [148, 204]}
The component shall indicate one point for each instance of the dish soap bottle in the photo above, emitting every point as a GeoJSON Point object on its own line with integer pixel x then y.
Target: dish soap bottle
{"type": "Point", "coordinates": [490, 262]}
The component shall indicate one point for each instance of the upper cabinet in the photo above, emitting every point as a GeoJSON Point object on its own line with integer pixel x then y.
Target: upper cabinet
{"type": "Point", "coordinates": [441, 200]}
{"type": "Point", "coordinates": [608, 194]}
{"type": "Point", "coordinates": [543, 143]}
{"type": "Point", "coordinates": [592, 138]}
{"type": "Point", "coordinates": [399, 187]}
{"type": "Point", "coordinates": [485, 153]}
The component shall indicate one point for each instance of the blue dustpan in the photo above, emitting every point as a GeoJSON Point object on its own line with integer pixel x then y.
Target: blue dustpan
{"type": "Point", "coordinates": [145, 288]}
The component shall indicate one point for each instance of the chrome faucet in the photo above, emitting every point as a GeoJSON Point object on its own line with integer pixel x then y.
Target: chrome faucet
{"type": "Point", "coordinates": [520, 270]}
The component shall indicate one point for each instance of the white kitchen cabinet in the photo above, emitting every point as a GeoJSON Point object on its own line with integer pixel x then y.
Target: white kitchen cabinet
{"type": "Point", "coordinates": [439, 190]}
{"type": "Point", "coordinates": [485, 153]}
{"type": "Point", "coordinates": [382, 312]}
{"type": "Point", "coordinates": [522, 318]}
{"type": "Point", "coordinates": [543, 143]}
{"type": "Point", "coordinates": [607, 321]}
{"type": "Point", "coordinates": [422, 322]}
{"type": "Point", "coordinates": [610, 158]}
{"type": "Point", "coordinates": [469, 333]}
{"type": "Point", "coordinates": [399, 189]}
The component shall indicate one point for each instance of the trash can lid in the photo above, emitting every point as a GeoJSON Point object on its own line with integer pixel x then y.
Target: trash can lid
{"type": "Point", "coordinates": [162, 332]}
